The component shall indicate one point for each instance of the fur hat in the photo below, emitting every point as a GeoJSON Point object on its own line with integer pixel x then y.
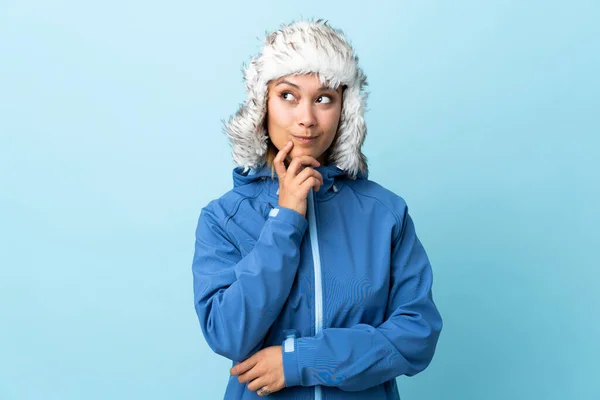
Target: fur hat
{"type": "Point", "coordinates": [302, 47]}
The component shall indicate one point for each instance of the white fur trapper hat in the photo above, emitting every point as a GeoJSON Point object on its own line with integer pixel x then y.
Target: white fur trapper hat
{"type": "Point", "coordinates": [302, 47]}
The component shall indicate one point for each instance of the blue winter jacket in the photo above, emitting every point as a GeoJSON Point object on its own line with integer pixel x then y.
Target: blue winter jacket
{"type": "Point", "coordinates": [347, 291]}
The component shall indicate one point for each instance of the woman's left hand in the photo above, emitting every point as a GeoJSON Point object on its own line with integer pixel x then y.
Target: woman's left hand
{"type": "Point", "coordinates": [264, 369]}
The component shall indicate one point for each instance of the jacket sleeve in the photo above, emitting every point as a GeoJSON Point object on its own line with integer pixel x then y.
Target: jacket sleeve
{"type": "Point", "coordinates": [363, 356]}
{"type": "Point", "coordinates": [237, 298]}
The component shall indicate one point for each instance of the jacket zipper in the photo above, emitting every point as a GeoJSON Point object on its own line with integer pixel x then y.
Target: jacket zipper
{"type": "Point", "coordinates": [314, 241]}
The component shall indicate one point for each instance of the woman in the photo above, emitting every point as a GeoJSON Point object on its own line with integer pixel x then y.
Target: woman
{"type": "Point", "coordinates": [307, 275]}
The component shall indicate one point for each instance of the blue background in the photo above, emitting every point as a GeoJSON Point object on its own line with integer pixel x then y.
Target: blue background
{"type": "Point", "coordinates": [483, 115]}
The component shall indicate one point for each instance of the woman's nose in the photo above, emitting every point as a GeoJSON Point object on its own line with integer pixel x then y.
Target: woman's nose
{"type": "Point", "coordinates": [306, 116]}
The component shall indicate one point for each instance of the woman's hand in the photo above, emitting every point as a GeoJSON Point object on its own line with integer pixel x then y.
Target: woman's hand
{"type": "Point", "coordinates": [264, 369]}
{"type": "Point", "coordinates": [295, 182]}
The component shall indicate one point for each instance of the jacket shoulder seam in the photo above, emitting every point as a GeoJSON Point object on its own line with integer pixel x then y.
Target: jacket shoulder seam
{"type": "Point", "coordinates": [236, 208]}
{"type": "Point", "coordinates": [399, 224]}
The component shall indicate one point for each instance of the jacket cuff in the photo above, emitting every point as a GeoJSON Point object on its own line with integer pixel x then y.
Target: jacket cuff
{"type": "Point", "coordinates": [291, 372]}
{"type": "Point", "coordinates": [289, 216]}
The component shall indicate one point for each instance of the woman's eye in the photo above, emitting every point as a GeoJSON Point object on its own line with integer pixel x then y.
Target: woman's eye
{"type": "Point", "coordinates": [287, 96]}
{"type": "Point", "coordinates": [324, 99]}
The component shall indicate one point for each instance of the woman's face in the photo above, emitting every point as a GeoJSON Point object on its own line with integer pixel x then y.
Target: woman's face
{"type": "Point", "coordinates": [301, 110]}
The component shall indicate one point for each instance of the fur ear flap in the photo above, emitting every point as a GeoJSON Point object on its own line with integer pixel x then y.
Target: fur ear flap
{"type": "Point", "coordinates": [346, 151]}
{"type": "Point", "coordinates": [245, 129]}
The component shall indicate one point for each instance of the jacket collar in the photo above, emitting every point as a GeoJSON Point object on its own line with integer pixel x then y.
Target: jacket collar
{"type": "Point", "coordinates": [333, 179]}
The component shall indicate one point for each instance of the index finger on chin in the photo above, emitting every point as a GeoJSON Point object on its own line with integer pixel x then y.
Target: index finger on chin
{"type": "Point", "coordinates": [280, 157]}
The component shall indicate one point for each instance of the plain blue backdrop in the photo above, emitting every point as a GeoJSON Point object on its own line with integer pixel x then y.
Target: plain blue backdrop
{"type": "Point", "coordinates": [483, 115]}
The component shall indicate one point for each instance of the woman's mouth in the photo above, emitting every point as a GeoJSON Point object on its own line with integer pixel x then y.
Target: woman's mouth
{"type": "Point", "coordinates": [305, 139]}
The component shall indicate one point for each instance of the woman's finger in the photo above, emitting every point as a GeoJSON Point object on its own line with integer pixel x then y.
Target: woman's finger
{"type": "Point", "coordinates": [306, 173]}
{"type": "Point", "coordinates": [298, 162]}
{"type": "Point", "coordinates": [249, 375]}
{"type": "Point", "coordinates": [311, 182]}
{"type": "Point", "coordinates": [261, 392]}
{"type": "Point", "coordinates": [244, 366]}
{"type": "Point", "coordinates": [279, 159]}
{"type": "Point", "coordinates": [258, 383]}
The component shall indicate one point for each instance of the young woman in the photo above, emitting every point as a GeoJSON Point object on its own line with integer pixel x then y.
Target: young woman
{"type": "Point", "coordinates": [308, 275]}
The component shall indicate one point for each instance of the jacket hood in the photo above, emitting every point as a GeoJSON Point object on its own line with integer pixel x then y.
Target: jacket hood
{"type": "Point", "coordinates": [302, 47]}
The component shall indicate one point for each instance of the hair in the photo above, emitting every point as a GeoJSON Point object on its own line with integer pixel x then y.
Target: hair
{"type": "Point", "coordinates": [270, 156]}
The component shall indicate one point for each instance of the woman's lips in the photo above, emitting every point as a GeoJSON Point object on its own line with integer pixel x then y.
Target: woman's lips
{"type": "Point", "coordinates": [304, 139]}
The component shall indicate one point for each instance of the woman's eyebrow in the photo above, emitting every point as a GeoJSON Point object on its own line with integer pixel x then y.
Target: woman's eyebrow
{"type": "Point", "coordinates": [287, 83]}
{"type": "Point", "coordinates": [324, 87]}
